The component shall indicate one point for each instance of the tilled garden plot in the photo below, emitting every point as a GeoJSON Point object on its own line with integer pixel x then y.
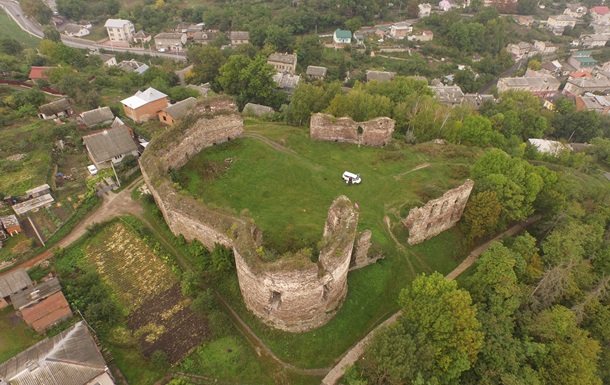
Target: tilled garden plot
{"type": "Point", "coordinates": [166, 323]}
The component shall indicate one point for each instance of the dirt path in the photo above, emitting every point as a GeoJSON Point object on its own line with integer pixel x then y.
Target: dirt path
{"type": "Point", "coordinates": [421, 166]}
{"type": "Point", "coordinates": [271, 143]}
{"type": "Point", "coordinates": [356, 352]}
{"type": "Point", "coordinates": [113, 205]}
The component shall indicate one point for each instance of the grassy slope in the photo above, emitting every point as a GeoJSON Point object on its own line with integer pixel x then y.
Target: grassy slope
{"type": "Point", "coordinates": [296, 190]}
{"type": "Point", "coordinates": [10, 29]}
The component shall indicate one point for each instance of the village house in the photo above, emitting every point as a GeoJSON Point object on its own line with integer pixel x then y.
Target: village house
{"type": "Point", "coordinates": [579, 86]}
{"type": "Point", "coordinates": [38, 73]}
{"type": "Point", "coordinates": [76, 30]}
{"type": "Point", "coordinates": [110, 145]}
{"type": "Point", "coordinates": [550, 147]}
{"type": "Point", "coordinates": [170, 41]}
{"type": "Point", "coordinates": [60, 108]}
{"type": "Point", "coordinates": [133, 66]}
{"type": "Point", "coordinates": [400, 30]}
{"type": "Point", "coordinates": [141, 37]}
{"type": "Point", "coordinates": [575, 10]}
{"type": "Point", "coordinates": [426, 35]}
{"type": "Point", "coordinates": [205, 37]}
{"type": "Point", "coordinates": [381, 31]}
{"type": "Point", "coordinates": [69, 358]}
{"type": "Point", "coordinates": [424, 10]}
{"type": "Point", "coordinates": [286, 82]}
{"type": "Point", "coordinates": [449, 95]}
{"type": "Point", "coordinates": [544, 86]}
{"type": "Point", "coordinates": [316, 73]}
{"type": "Point", "coordinates": [239, 37]}
{"type": "Point", "coordinates": [283, 62]}
{"type": "Point", "coordinates": [545, 47]}
{"type": "Point", "coordinates": [341, 38]}
{"type": "Point", "coordinates": [593, 40]}
{"type": "Point", "coordinates": [171, 115]}
{"type": "Point", "coordinates": [582, 59]}
{"type": "Point", "coordinates": [444, 5]}
{"type": "Point", "coordinates": [380, 76]}
{"type": "Point", "coordinates": [144, 104]}
{"type": "Point", "coordinates": [10, 224]}
{"type": "Point", "coordinates": [599, 13]}
{"type": "Point", "coordinates": [42, 306]}
{"type": "Point", "coordinates": [590, 102]}
{"type": "Point", "coordinates": [108, 60]}
{"type": "Point", "coordinates": [120, 30]}
{"type": "Point", "coordinates": [558, 23]}
{"type": "Point", "coordinates": [100, 115]}
{"type": "Point", "coordinates": [189, 29]}
{"type": "Point", "coordinates": [525, 21]}
{"type": "Point", "coordinates": [11, 283]}
{"type": "Point", "coordinates": [252, 109]}
{"type": "Point", "coordinates": [522, 49]}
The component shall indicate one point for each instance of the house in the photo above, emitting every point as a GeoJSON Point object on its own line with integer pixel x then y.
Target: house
{"type": "Point", "coordinates": [133, 66]}
{"type": "Point", "coordinates": [120, 30]}
{"type": "Point", "coordinates": [37, 72]}
{"type": "Point", "coordinates": [205, 37]}
{"type": "Point", "coordinates": [110, 145]}
{"type": "Point", "coordinates": [38, 191]}
{"type": "Point", "coordinates": [69, 358]}
{"type": "Point", "coordinates": [144, 104]}
{"type": "Point", "coordinates": [444, 5]}
{"type": "Point", "coordinates": [381, 31]}
{"type": "Point", "coordinates": [550, 147]}
{"type": "Point", "coordinates": [189, 28]}
{"type": "Point", "coordinates": [545, 47]}
{"type": "Point", "coordinates": [316, 73]}
{"type": "Point", "coordinates": [253, 109]}
{"type": "Point", "coordinates": [170, 115]}
{"type": "Point", "coordinates": [582, 59]}
{"type": "Point", "coordinates": [400, 30]}
{"type": "Point", "coordinates": [590, 102]}
{"type": "Point", "coordinates": [56, 109]}
{"type": "Point", "coordinates": [108, 60]}
{"type": "Point", "coordinates": [600, 12]}
{"type": "Point", "coordinates": [475, 101]}
{"type": "Point", "coordinates": [100, 115]}
{"type": "Point", "coordinates": [575, 10]}
{"type": "Point", "coordinates": [341, 37]}
{"type": "Point", "coordinates": [10, 223]}
{"type": "Point", "coordinates": [76, 30]}
{"type": "Point", "coordinates": [239, 37]}
{"type": "Point", "coordinates": [553, 68]}
{"type": "Point", "coordinates": [42, 306]}
{"type": "Point", "coordinates": [558, 23]}
{"type": "Point", "coordinates": [424, 10]}
{"type": "Point", "coordinates": [286, 81]}
{"type": "Point", "coordinates": [580, 86]}
{"type": "Point", "coordinates": [380, 76]}
{"type": "Point", "coordinates": [426, 35]}
{"type": "Point", "coordinates": [11, 283]}
{"type": "Point", "coordinates": [170, 41]}
{"type": "Point", "coordinates": [283, 62]}
{"type": "Point", "coordinates": [593, 40]}
{"type": "Point", "coordinates": [141, 37]}
{"type": "Point", "coordinates": [522, 49]}
{"type": "Point", "coordinates": [525, 21]}
{"type": "Point", "coordinates": [545, 86]}
{"type": "Point", "coordinates": [450, 95]}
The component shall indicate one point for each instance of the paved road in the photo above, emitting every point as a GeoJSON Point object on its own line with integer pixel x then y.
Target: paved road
{"type": "Point", "coordinates": [508, 72]}
{"type": "Point", "coordinates": [14, 11]}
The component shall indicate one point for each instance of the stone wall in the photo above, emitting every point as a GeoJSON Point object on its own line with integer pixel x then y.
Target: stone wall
{"type": "Point", "coordinates": [437, 215]}
{"type": "Point", "coordinates": [293, 294]}
{"type": "Point", "coordinates": [376, 132]}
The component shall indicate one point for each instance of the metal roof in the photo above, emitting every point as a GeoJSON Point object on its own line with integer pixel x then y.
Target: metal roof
{"type": "Point", "coordinates": [11, 283]}
{"type": "Point", "coordinates": [69, 358]}
{"type": "Point", "coordinates": [143, 97]}
{"type": "Point", "coordinates": [116, 23]}
{"type": "Point", "coordinates": [96, 116]}
{"type": "Point", "coordinates": [343, 34]}
{"type": "Point", "coordinates": [107, 144]}
{"type": "Point", "coordinates": [32, 204]}
{"type": "Point", "coordinates": [181, 108]}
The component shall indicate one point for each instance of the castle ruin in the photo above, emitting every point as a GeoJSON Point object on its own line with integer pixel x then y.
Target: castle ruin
{"type": "Point", "coordinates": [438, 214]}
{"type": "Point", "coordinates": [376, 132]}
{"type": "Point", "coordinates": [293, 293]}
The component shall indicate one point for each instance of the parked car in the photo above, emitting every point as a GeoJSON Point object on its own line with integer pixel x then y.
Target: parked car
{"type": "Point", "coordinates": [92, 169]}
{"type": "Point", "coordinates": [351, 178]}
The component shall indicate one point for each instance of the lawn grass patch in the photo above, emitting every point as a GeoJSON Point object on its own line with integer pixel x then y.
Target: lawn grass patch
{"type": "Point", "coordinates": [11, 30]}
{"type": "Point", "coordinates": [15, 336]}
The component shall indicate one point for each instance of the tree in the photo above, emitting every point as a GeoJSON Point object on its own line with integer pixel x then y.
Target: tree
{"type": "Point", "coordinates": [481, 215]}
{"type": "Point", "coordinates": [413, 8]}
{"type": "Point", "coordinates": [476, 130]}
{"type": "Point", "coordinates": [534, 65]}
{"type": "Point", "coordinates": [51, 33]}
{"type": "Point", "coordinates": [360, 105]}
{"type": "Point", "coordinates": [309, 51]}
{"type": "Point", "coordinates": [206, 62]}
{"type": "Point", "coordinates": [37, 9]}
{"type": "Point", "coordinates": [308, 99]}
{"type": "Point", "coordinates": [436, 339]}
{"type": "Point", "coordinates": [10, 46]}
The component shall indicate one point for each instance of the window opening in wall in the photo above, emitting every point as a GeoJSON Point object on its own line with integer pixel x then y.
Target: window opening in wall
{"type": "Point", "coordinates": [325, 291]}
{"type": "Point", "coordinates": [433, 209]}
{"type": "Point", "coordinates": [275, 300]}
{"type": "Point", "coordinates": [360, 130]}
{"type": "Point", "coordinates": [444, 206]}
{"type": "Point", "coordinates": [428, 227]}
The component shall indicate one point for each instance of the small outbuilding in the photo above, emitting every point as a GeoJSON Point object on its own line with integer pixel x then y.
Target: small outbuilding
{"type": "Point", "coordinates": [10, 224]}
{"type": "Point", "coordinates": [60, 108]}
{"type": "Point", "coordinates": [11, 283]}
{"type": "Point", "coordinates": [110, 145]}
{"type": "Point", "coordinates": [170, 115]}
{"type": "Point", "coordinates": [100, 115]}
{"type": "Point", "coordinates": [316, 73]}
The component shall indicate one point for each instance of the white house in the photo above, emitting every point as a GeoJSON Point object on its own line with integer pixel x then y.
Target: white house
{"type": "Point", "coordinates": [400, 30]}
{"type": "Point", "coordinates": [120, 30]}
{"type": "Point", "coordinates": [424, 10]}
{"type": "Point", "coordinates": [170, 41]}
{"type": "Point", "coordinates": [342, 37]}
{"type": "Point", "coordinates": [444, 5]}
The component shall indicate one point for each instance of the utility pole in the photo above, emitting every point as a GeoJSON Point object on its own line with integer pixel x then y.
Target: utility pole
{"type": "Point", "coordinates": [118, 182]}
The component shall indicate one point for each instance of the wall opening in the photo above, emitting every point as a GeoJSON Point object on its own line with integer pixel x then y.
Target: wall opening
{"type": "Point", "coordinates": [325, 291]}
{"type": "Point", "coordinates": [275, 300]}
{"type": "Point", "coordinates": [433, 210]}
{"type": "Point", "coordinates": [444, 206]}
{"type": "Point", "coordinates": [360, 130]}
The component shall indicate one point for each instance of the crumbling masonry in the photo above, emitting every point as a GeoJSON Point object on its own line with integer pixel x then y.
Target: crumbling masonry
{"type": "Point", "coordinates": [437, 215]}
{"type": "Point", "coordinates": [293, 293]}
{"type": "Point", "coordinates": [376, 132]}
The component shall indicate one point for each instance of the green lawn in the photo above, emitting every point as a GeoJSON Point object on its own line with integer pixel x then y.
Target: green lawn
{"type": "Point", "coordinates": [10, 29]}
{"type": "Point", "coordinates": [15, 336]}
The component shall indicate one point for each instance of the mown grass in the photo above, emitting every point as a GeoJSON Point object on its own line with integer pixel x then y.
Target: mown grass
{"type": "Point", "coordinates": [11, 30]}
{"type": "Point", "coordinates": [15, 336]}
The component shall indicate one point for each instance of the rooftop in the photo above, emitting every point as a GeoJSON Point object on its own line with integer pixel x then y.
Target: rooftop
{"type": "Point", "coordinates": [343, 34]}
{"type": "Point", "coordinates": [33, 204]}
{"type": "Point", "coordinates": [39, 72]}
{"type": "Point", "coordinates": [239, 35]}
{"type": "Point", "coordinates": [142, 98]}
{"type": "Point", "coordinates": [105, 145]}
{"type": "Point", "coordinates": [34, 294]}
{"type": "Point", "coordinates": [9, 221]}
{"type": "Point", "coordinates": [55, 107]}
{"type": "Point", "coordinates": [13, 282]}
{"type": "Point", "coordinates": [181, 108]}
{"type": "Point", "coordinates": [287, 58]}
{"type": "Point", "coordinates": [116, 23]}
{"type": "Point", "coordinates": [601, 10]}
{"type": "Point", "coordinates": [45, 188]}
{"type": "Point", "coordinates": [551, 147]}
{"type": "Point", "coordinates": [97, 116]}
{"type": "Point", "coordinates": [46, 313]}
{"type": "Point", "coordinates": [316, 71]}
{"type": "Point", "coordinates": [169, 36]}
{"type": "Point", "coordinates": [380, 76]}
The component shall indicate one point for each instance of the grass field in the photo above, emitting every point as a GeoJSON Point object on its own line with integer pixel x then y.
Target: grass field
{"type": "Point", "coordinates": [10, 29]}
{"type": "Point", "coordinates": [15, 336]}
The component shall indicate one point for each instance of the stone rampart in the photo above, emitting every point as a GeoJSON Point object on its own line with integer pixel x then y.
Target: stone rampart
{"type": "Point", "coordinates": [376, 132]}
{"type": "Point", "coordinates": [292, 293]}
{"type": "Point", "coordinates": [438, 214]}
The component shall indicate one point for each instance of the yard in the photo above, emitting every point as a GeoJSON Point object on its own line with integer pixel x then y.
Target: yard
{"type": "Point", "coordinates": [15, 336]}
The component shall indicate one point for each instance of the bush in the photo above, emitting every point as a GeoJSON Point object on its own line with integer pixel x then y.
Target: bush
{"type": "Point", "coordinates": [159, 359]}
{"type": "Point", "coordinates": [204, 303]}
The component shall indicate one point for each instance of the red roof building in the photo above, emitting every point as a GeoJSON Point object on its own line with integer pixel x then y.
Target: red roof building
{"type": "Point", "coordinates": [39, 72]}
{"type": "Point", "coordinates": [47, 313]}
{"type": "Point", "coordinates": [600, 10]}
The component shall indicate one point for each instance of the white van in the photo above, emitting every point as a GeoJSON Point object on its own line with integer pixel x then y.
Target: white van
{"type": "Point", "coordinates": [92, 169]}
{"type": "Point", "coordinates": [351, 178]}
